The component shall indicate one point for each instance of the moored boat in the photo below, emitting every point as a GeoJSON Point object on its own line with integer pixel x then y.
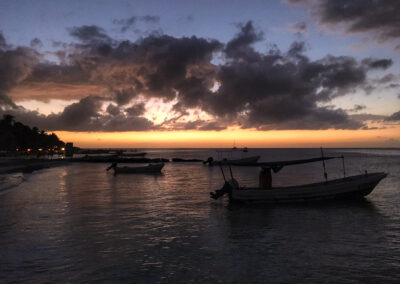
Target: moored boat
{"type": "Point", "coordinates": [133, 154]}
{"type": "Point", "coordinates": [348, 187]}
{"type": "Point", "coordinates": [150, 168]}
{"type": "Point", "coordinates": [248, 161]}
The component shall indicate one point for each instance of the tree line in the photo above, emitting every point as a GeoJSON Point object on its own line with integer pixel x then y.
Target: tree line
{"type": "Point", "coordinates": [15, 136]}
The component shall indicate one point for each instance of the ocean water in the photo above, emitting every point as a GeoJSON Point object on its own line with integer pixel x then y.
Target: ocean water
{"type": "Point", "coordinates": [78, 223]}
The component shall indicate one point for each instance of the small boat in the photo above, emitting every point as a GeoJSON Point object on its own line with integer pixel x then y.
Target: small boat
{"type": "Point", "coordinates": [133, 154]}
{"type": "Point", "coordinates": [348, 187]}
{"type": "Point", "coordinates": [150, 168]}
{"type": "Point", "coordinates": [100, 158]}
{"type": "Point", "coordinates": [249, 161]}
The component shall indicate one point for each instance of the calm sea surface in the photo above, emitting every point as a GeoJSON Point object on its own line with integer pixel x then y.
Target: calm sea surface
{"type": "Point", "coordinates": [79, 223]}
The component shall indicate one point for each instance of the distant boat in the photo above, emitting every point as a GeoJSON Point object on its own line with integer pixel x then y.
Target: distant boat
{"type": "Point", "coordinates": [348, 187]}
{"type": "Point", "coordinates": [150, 168]}
{"type": "Point", "coordinates": [134, 154]}
{"type": "Point", "coordinates": [234, 145]}
{"type": "Point", "coordinates": [249, 161]}
{"type": "Point", "coordinates": [98, 158]}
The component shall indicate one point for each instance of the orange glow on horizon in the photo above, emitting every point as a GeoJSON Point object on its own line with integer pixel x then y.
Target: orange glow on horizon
{"type": "Point", "coordinates": [389, 137]}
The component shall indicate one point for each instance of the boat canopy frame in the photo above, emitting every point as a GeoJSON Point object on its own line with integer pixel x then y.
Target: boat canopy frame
{"type": "Point", "coordinates": [276, 166]}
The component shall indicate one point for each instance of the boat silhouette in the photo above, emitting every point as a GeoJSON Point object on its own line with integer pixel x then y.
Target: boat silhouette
{"type": "Point", "coordinates": [344, 188]}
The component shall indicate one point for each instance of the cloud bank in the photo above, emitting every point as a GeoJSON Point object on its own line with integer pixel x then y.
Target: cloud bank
{"type": "Point", "coordinates": [378, 19]}
{"type": "Point", "coordinates": [112, 82]}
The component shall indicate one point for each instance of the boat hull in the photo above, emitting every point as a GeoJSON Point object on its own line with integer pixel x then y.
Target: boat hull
{"type": "Point", "coordinates": [152, 168]}
{"type": "Point", "coordinates": [350, 187]}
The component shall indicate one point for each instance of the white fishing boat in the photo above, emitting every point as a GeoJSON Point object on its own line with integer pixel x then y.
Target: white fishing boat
{"type": "Point", "coordinates": [347, 187]}
{"type": "Point", "coordinates": [231, 157]}
{"type": "Point", "coordinates": [150, 168]}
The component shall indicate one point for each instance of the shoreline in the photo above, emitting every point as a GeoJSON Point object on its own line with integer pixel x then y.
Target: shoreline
{"type": "Point", "coordinates": [28, 165]}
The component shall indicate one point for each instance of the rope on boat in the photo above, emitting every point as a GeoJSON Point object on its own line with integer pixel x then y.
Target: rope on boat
{"type": "Point", "coordinates": [323, 163]}
{"type": "Point", "coordinates": [344, 169]}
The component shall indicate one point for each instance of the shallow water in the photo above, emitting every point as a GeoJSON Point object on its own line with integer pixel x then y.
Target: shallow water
{"type": "Point", "coordinates": [79, 223]}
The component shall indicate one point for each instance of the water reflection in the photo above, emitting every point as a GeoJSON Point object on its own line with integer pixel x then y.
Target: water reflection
{"type": "Point", "coordinates": [80, 223]}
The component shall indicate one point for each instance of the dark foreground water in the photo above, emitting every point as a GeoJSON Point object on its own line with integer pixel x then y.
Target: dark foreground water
{"type": "Point", "coordinates": [79, 223]}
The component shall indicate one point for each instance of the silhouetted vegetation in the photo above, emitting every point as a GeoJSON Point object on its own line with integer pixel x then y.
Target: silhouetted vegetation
{"type": "Point", "coordinates": [17, 137]}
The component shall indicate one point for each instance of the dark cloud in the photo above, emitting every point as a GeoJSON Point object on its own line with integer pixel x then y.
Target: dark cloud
{"type": "Point", "coordinates": [85, 115]}
{"type": "Point", "coordinates": [378, 63]}
{"type": "Point", "coordinates": [113, 109]}
{"type": "Point", "coordinates": [35, 43]}
{"type": "Point", "coordinates": [89, 34]}
{"type": "Point", "coordinates": [82, 112]}
{"type": "Point", "coordinates": [125, 123]}
{"type": "Point", "coordinates": [150, 19]}
{"type": "Point", "coordinates": [74, 73]}
{"type": "Point", "coordinates": [6, 102]}
{"type": "Point", "coordinates": [214, 125]}
{"type": "Point", "coordinates": [387, 78]}
{"type": "Point", "coordinates": [201, 125]}
{"type": "Point", "coordinates": [156, 66]}
{"type": "Point", "coordinates": [318, 118]}
{"type": "Point", "coordinates": [16, 65]}
{"type": "Point", "coordinates": [31, 118]}
{"type": "Point", "coordinates": [191, 125]}
{"type": "Point", "coordinates": [240, 45]}
{"type": "Point", "coordinates": [3, 43]}
{"type": "Point", "coordinates": [124, 96]}
{"type": "Point", "coordinates": [171, 62]}
{"type": "Point", "coordinates": [299, 28]}
{"type": "Point", "coordinates": [129, 23]}
{"type": "Point", "coordinates": [296, 50]}
{"type": "Point", "coordinates": [393, 86]}
{"type": "Point", "coordinates": [357, 108]}
{"type": "Point", "coordinates": [394, 117]}
{"type": "Point", "coordinates": [92, 38]}
{"type": "Point", "coordinates": [283, 90]}
{"type": "Point", "coordinates": [136, 110]}
{"type": "Point", "coordinates": [366, 116]}
{"type": "Point", "coordinates": [126, 24]}
{"type": "Point", "coordinates": [379, 18]}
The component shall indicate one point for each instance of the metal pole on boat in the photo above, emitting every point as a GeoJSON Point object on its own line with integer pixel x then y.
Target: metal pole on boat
{"type": "Point", "coordinates": [230, 169]}
{"type": "Point", "coordinates": [220, 166]}
{"type": "Point", "coordinates": [323, 163]}
{"type": "Point", "coordinates": [344, 169]}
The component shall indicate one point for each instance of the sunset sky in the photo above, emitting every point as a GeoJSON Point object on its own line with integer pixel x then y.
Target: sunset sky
{"type": "Point", "coordinates": [294, 73]}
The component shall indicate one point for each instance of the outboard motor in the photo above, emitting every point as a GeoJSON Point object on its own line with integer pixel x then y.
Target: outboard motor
{"type": "Point", "coordinates": [227, 188]}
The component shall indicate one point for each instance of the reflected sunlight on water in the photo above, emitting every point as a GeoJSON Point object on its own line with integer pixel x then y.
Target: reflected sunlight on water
{"type": "Point", "coordinates": [81, 223]}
